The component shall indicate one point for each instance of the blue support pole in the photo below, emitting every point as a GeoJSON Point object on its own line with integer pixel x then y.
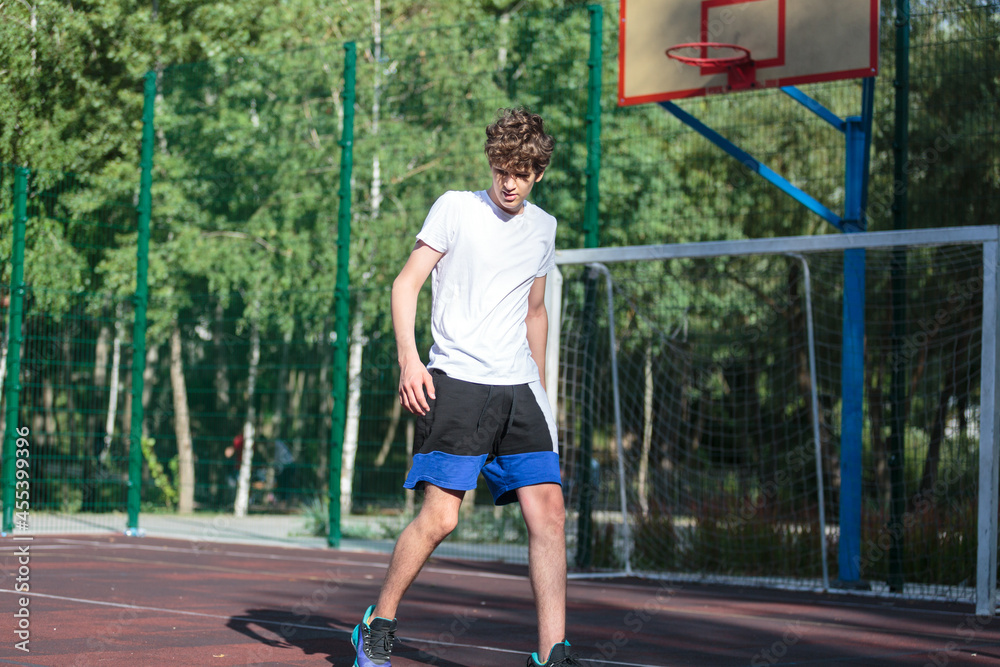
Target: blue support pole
{"type": "Point", "coordinates": [809, 103]}
{"type": "Point", "coordinates": [754, 165]}
{"type": "Point", "coordinates": [852, 369]}
{"type": "Point", "coordinates": [851, 418]}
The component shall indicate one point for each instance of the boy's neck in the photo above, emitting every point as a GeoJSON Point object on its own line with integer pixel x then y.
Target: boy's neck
{"type": "Point", "coordinates": [493, 198]}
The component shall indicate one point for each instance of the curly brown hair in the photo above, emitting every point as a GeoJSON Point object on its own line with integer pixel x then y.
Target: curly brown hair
{"type": "Point", "coordinates": [517, 142]}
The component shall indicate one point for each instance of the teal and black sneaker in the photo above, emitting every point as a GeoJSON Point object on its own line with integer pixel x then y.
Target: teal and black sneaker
{"type": "Point", "coordinates": [559, 656]}
{"type": "Point", "coordinates": [372, 639]}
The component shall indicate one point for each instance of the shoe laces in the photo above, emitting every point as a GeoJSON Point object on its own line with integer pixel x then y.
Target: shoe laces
{"type": "Point", "coordinates": [570, 660]}
{"type": "Point", "coordinates": [378, 642]}
{"type": "Point", "coordinates": [567, 660]}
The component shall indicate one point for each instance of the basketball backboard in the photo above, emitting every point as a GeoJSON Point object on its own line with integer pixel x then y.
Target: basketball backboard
{"type": "Point", "coordinates": [791, 42]}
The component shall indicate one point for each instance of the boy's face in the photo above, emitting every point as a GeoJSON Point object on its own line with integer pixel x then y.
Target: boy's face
{"type": "Point", "coordinates": [509, 189]}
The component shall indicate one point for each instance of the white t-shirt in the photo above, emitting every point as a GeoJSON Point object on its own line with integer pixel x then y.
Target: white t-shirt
{"type": "Point", "coordinates": [480, 286]}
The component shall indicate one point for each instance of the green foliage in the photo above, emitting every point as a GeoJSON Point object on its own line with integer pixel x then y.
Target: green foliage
{"type": "Point", "coordinates": [70, 499]}
{"type": "Point", "coordinates": [316, 514]}
{"type": "Point", "coordinates": [484, 526]}
{"type": "Point", "coordinates": [161, 480]}
{"type": "Point", "coordinates": [656, 546]}
{"type": "Point", "coordinates": [68, 94]}
{"type": "Point", "coordinates": [729, 539]}
{"type": "Point", "coordinates": [938, 538]}
{"type": "Point", "coordinates": [606, 549]}
{"type": "Point", "coordinates": [246, 194]}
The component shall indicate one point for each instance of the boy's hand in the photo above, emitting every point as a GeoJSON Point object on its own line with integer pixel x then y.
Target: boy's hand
{"type": "Point", "coordinates": [413, 381]}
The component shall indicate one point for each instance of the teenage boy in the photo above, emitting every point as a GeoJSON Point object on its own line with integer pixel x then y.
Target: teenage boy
{"type": "Point", "coordinates": [480, 401]}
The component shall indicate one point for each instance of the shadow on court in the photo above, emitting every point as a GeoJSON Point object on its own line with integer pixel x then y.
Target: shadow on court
{"type": "Point", "coordinates": [283, 629]}
{"type": "Point", "coordinates": [318, 635]}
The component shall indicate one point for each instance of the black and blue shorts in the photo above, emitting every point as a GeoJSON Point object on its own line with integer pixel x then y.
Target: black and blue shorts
{"type": "Point", "coordinates": [504, 431]}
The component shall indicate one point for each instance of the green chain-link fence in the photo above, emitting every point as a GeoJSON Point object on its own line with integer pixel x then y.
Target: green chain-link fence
{"type": "Point", "coordinates": [69, 360]}
{"type": "Point", "coordinates": [243, 253]}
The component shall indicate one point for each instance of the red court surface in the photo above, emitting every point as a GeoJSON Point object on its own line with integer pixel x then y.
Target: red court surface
{"type": "Point", "coordinates": [151, 601]}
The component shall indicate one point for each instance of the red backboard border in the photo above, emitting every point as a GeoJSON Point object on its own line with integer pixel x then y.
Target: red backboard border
{"type": "Point", "coordinates": [865, 72]}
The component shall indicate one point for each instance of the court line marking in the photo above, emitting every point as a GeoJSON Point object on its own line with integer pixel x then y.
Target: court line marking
{"type": "Point", "coordinates": [469, 573]}
{"type": "Point", "coordinates": [303, 559]}
{"type": "Point", "coordinates": [675, 611]}
{"type": "Point", "coordinates": [302, 626]}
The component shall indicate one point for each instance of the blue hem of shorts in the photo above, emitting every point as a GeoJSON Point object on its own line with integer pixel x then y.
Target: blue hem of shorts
{"type": "Point", "coordinates": [448, 471]}
{"type": "Point", "coordinates": [506, 474]}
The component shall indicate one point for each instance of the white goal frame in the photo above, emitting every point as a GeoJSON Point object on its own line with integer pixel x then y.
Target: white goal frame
{"type": "Point", "coordinates": [989, 443]}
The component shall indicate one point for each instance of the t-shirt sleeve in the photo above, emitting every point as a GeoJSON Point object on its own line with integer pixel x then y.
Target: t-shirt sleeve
{"type": "Point", "coordinates": [549, 261]}
{"type": "Point", "coordinates": [439, 227]}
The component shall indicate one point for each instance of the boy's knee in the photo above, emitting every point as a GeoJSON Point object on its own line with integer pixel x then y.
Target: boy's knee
{"type": "Point", "coordinates": [447, 524]}
{"type": "Point", "coordinates": [554, 506]}
{"type": "Point", "coordinates": [438, 525]}
{"type": "Point", "coordinates": [557, 516]}
{"type": "Point", "coordinates": [550, 514]}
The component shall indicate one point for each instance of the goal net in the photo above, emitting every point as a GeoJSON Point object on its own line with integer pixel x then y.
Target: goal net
{"type": "Point", "coordinates": [705, 412]}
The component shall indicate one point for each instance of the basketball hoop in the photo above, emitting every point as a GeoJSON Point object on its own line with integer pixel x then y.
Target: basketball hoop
{"type": "Point", "coordinates": [739, 66]}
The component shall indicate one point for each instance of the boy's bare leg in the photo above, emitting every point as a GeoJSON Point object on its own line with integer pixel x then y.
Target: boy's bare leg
{"type": "Point", "coordinates": [545, 515]}
{"type": "Point", "coordinates": [438, 516]}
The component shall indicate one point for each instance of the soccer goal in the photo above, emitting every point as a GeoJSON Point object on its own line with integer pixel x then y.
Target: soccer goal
{"type": "Point", "coordinates": [703, 407]}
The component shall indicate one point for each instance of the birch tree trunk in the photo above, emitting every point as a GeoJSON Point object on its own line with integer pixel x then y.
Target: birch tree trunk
{"type": "Point", "coordinates": [280, 401]}
{"type": "Point", "coordinates": [353, 423]}
{"type": "Point", "coordinates": [125, 414]}
{"type": "Point", "coordinates": [376, 189]}
{"type": "Point", "coordinates": [410, 494]}
{"type": "Point", "coordinates": [34, 30]}
{"type": "Point", "coordinates": [297, 387]}
{"type": "Point", "coordinates": [182, 425]}
{"type": "Point", "coordinates": [358, 339]}
{"type": "Point", "coordinates": [221, 350]}
{"type": "Point", "coordinates": [51, 423]}
{"type": "Point", "coordinates": [70, 378]}
{"type": "Point", "coordinates": [102, 349]}
{"type": "Point", "coordinates": [326, 410]}
{"type": "Point", "coordinates": [394, 418]}
{"type": "Point", "coordinates": [3, 359]}
{"type": "Point", "coordinates": [647, 431]}
{"type": "Point", "coordinates": [3, 375]}
{"type": "Point", "coordinates": [116, 358]}
{"type": "Point", "coordinates": [148, 385]}
{"type": "Point", "coordinates": [242, 503]}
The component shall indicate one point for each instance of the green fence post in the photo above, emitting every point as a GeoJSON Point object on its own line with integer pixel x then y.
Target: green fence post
{"type": "Point", "coordinates": [591, 239]}
{"type": "Point", "coordinates": [897, 434]}
{"type": "Point", "coordinates": [141, 300]}
{"type": "Point", "coordinates": [342, 297]}
{"type": "Point", "coordinates": [593, 171]}
{"type": "Point", "coordinates": [14, 346]}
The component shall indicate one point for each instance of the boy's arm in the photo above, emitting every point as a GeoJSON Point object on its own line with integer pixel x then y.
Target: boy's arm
{"type": "Point", "coordinates": [413, 375]}
{"type": "Point", "coordinates": [538, 325]}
